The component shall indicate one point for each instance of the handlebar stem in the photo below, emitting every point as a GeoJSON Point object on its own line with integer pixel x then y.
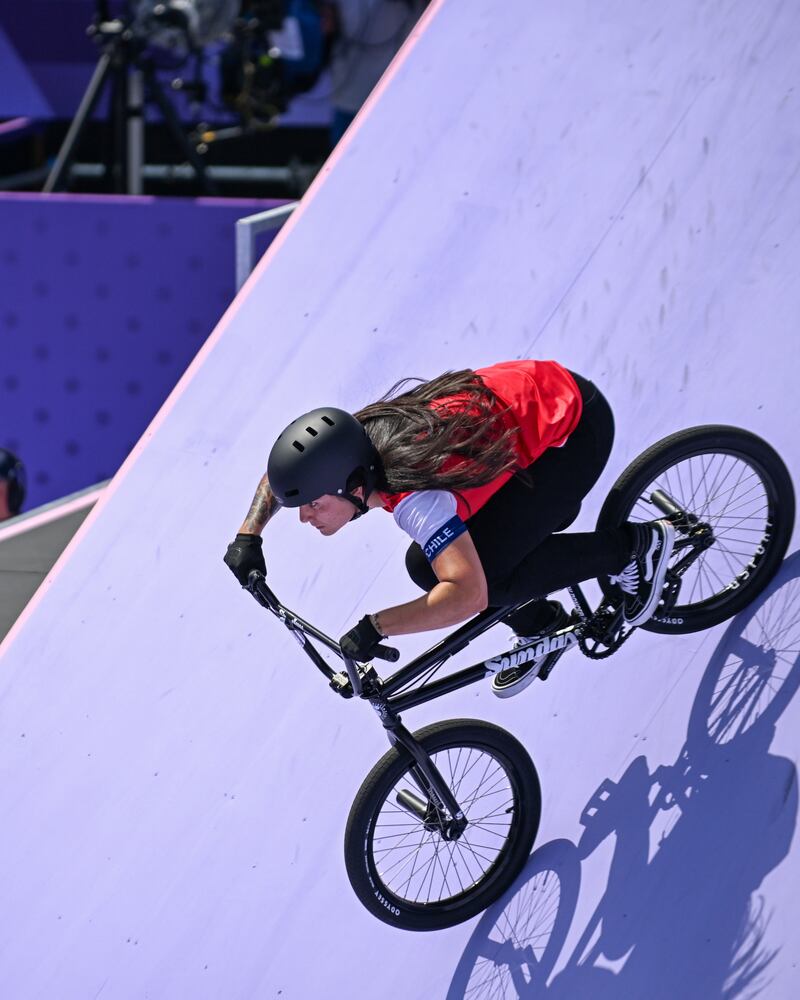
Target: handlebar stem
{"type": "Point", "coordinates": [355, 678]}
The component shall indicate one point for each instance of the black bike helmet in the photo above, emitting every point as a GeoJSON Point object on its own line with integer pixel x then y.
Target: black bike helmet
{"type": "Point", "coordinates": [13, 472]}
{"type": "Point", "coordinates": [326, 451]}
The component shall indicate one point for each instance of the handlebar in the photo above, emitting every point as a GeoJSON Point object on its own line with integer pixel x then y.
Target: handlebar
{"type": "Point", "coordinates": [257, 586]}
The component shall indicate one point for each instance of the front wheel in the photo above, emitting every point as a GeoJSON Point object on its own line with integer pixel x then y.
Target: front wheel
{"type": "Point", "coordinates": [401, 865]}
{"type": "Point", "coordinates": [731, 485]}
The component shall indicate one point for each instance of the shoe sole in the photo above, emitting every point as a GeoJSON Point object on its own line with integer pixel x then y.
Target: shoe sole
{"type": "Point", "coordinates": [509, 690]}
{"type": "Point", "coordinates": [657, 589]}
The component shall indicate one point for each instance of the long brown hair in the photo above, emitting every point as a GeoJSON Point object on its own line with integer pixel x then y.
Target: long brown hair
{"type": "Point", "coordinates": [414, 437]}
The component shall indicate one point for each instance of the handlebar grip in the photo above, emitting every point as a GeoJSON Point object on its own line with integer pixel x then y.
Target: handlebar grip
{"type": "Point", "coordinates": [387, 653]}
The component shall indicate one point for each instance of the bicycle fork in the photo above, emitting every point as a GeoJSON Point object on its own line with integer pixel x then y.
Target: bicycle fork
{"type": "Point", "coordinates": [441, 811]}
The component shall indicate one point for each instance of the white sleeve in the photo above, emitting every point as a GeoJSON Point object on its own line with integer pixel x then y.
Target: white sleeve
{"type": "Point", "coordinates": [430, 518]}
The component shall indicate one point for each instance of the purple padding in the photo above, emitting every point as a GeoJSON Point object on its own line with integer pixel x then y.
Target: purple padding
{"type": "Point", "coordinates": [105, 301]}
{"type": "Point", "coordinates": [21, 92]}
{"type": "Point", "coordinates": [614, 187]}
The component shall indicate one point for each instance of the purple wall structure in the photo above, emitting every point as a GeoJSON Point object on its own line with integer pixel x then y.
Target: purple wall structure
{"type": "Point", "coordinates": [105, 301]}
{"type": "Point", "coordinates": [617, 189]}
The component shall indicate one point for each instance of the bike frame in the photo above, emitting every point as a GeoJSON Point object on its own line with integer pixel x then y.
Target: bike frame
{"type": "Point", "coordinates": [365, 683]}
{"type": "Point", "coordinates": [386, 696]}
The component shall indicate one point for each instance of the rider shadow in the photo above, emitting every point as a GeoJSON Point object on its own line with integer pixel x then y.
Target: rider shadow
{"type": "Point", "coordinates": [679, 916]}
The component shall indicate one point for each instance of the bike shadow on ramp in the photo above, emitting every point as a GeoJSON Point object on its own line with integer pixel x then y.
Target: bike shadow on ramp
{"type": "Point", "coordinates": [679, 914]}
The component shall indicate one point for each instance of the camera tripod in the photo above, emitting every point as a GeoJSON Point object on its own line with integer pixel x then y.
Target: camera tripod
{"type": "Point", "coordinates": [131, 74]}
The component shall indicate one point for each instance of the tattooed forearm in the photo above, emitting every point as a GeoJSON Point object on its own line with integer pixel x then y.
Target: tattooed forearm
{"type": "Point", "coordinates": [261, 510]}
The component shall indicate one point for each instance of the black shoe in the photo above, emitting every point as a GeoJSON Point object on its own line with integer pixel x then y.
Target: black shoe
{"type": "Point", "coordinates": [532, 655]}
{"type": "Point", "coordinates": [642, 580]}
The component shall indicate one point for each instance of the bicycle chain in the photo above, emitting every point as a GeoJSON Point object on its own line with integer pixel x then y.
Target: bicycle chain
{"type": "Point", "coordinates": [594, 655]}
{"type": "Point", "coordinates": [670, 597]}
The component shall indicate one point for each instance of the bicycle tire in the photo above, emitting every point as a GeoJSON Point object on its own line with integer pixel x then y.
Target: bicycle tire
{"type": "Point", "coordinates": [372, 887]}
{"type": "Point", "coordinates": [668, 464]}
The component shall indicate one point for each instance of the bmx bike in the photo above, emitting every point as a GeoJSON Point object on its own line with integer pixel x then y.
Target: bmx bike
{"type": "Point", "coordinates": [445, 821]}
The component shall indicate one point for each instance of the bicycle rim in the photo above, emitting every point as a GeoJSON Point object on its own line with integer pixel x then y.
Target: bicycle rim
{"type": "Point", "coordinates": [417, 866]}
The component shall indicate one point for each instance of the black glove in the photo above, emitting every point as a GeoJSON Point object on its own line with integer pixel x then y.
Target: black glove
{"type": "Point", "coordinates": [361, 641]}
{"type": "Point", "coordinates": [244, 554]}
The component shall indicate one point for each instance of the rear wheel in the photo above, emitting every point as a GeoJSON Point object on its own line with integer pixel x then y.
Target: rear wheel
{"type": "Point", "coordinates": [402, 867]}
{"type": "Point", "coordinates": [733, 483]}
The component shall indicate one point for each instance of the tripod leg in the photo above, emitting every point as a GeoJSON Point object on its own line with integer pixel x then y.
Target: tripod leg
{"type": "Point", "coordinates": [118, 163]}
{"type": "Point", "coordinates": [135, 131]}
{"type": "Point", "coordinates": [66, 153]}
{"type": "Point", "coordinates": [174, 125]}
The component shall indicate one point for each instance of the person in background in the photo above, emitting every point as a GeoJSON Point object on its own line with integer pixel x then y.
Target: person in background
{"type": "Point", "coordinates": [366, 35]}
{"type": "Point", "coordinates": [12, 484]}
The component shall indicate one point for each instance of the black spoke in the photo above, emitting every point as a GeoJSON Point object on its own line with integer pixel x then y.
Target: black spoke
{"type": "Point", "coordinates": [419, 865]}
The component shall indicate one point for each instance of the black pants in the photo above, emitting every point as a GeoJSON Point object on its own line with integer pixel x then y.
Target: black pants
{"type": "Point", "coordinates": [515, 533]}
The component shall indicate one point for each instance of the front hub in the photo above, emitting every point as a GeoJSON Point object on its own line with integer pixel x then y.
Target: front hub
{"type": "Point", "coordinates": [429, 816]}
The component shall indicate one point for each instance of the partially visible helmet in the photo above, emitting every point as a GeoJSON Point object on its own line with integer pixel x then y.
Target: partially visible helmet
{"type": "Point", "coordinates": [13, 472]}
{"type": "Point", "coordinates": [322, 452]}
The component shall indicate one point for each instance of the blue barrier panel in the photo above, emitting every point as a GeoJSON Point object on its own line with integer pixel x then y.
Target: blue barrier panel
{"type": "Point", "coordinates": [105, 302]}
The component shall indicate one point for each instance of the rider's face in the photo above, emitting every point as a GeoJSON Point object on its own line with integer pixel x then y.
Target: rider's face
{"type": "Point", "coordinates": [328, 513]}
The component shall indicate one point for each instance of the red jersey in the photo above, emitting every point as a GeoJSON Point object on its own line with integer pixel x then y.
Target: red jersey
{"type": "Point", "coordinates": [541, 399]}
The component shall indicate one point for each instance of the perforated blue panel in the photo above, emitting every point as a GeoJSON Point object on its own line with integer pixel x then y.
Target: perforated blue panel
{"type": "Point", "coordinates": [104, 303]}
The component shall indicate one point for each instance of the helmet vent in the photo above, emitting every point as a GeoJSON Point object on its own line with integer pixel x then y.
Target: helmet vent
{"type": "Point", "coordinates": [296, 444]}
{"type": "Point", "coordinates": [312, 432]}
{"type": "Point", "coordinates": [328, 421]}
{"type": "Point", "coordinates": [292, 493]}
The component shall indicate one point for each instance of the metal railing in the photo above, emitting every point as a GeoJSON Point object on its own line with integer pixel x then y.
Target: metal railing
{"type": "Point", "coordinates": [246, 231]}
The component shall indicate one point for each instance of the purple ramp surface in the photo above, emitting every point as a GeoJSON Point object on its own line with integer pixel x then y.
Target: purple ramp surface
{"type": "Point", "coordinates": [618, 189]}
